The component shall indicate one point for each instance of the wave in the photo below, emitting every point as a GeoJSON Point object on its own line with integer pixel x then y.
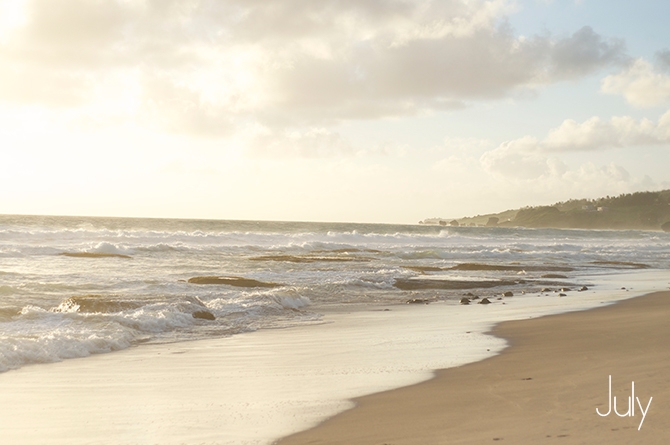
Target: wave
{"type": "Point", "coordinates": [90, 324]}
{"type": "Point", "coordinates": [94, 255]}
{"type": "Point", "coordinates": [274, 274]}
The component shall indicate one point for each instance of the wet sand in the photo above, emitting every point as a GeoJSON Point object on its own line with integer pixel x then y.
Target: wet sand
{"type": "Point", "coordinates": [544, 388]}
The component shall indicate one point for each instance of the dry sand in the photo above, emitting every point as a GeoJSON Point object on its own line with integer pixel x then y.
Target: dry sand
{"type": "Point", "coordinates": [544, 388]}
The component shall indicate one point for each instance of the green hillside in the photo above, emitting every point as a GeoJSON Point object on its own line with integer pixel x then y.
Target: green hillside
{"type": "Point", "coordinates": [642, 210]}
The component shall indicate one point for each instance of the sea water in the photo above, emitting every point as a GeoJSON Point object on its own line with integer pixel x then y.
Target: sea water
{"type": "Point", "coordinates": [75, 286]}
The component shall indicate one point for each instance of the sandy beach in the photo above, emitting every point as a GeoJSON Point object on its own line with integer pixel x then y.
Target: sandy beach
{"type": "Point", "coordinates": [544, 388]}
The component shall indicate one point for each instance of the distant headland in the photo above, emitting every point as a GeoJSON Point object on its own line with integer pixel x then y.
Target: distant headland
{"type": "Point", "coordinates": [637, 211]}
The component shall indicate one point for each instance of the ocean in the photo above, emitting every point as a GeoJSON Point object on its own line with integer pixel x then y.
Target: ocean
{"type": "Point", "coordinates": [75, 286]}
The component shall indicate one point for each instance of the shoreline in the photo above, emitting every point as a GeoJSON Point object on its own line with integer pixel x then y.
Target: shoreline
{"type": "Point", "coordinates": [544, 387]}
{"type": "Point", "coordinates": [257, 387]}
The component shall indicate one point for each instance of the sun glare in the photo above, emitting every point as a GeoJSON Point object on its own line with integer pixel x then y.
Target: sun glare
{"type": "Point", "coordinates": [12, 16]}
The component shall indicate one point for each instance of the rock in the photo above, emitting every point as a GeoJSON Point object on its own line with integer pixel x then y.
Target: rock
{"type": "Point", "coordinates": [484, 301]}
{"type": "Point", "coordinates": [475, 298]}
{"type": "Point", "coordinates": [417, 301]}
{"type": "Point", "coordinates": [582, 289]}
{"type": "Point", "coordinates": [508, 294]}
{"type": "Point", "coordinates": [454, 223]}
{"type": "Point", "coordinates": [666, 227]}
{"type": "Point", "coordinates": [546, 289]}
{"type": "Point", "coordinates": [553, 275]}
{"type": "Point", "coordinates": [565, 289]}
{"type": "Point", "coordinates": [465, 300]}
{"type": "Point", "coordinates": [419, 283]}
{"type": "Point", "coordinates": [231, 281]}
{"type": "Point", "coordinates": [492, 222]}
{"type": "Point", "coordinates": [205, 315]}
{"type": "Point", "coordinates": [562, 295]}
{"type": "Point", "coordinates": [469, 294]}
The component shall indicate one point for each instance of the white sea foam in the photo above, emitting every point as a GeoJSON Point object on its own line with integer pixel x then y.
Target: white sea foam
{"type": "Point", "coordinates": [107, 303]}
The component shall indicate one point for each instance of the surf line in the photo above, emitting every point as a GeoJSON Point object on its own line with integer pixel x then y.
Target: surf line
{"type": "Point", "coordinates": [631, 405]}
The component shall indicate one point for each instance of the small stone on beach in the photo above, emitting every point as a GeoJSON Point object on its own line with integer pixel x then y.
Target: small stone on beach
{"type": "Point", "coordinates": [417, 301]}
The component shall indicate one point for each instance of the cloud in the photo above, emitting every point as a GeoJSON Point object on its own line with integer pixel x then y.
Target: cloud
{"type": "Point", "coordinates": [375, 78]}
{"type": "Point", "coordinates": [205, 66]}
{"type": "Point", "coordinates": [313, 143]}
{"type": "Point", "coordinates": [641, 84]}
{"type": "Point", "coordinates": [591, 135]}
{"type": "Point", "coordinates": [530, 158]}
{"type": "Point", "coordinates": [522, 169]}
{"type": "Point", "coordinates": [521, 159]}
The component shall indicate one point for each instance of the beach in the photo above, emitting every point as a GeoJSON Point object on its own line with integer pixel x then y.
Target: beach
{"type": "Point", "coordinates": [544, 388]}
{"type": "Point", "coordinates": [257, 387]}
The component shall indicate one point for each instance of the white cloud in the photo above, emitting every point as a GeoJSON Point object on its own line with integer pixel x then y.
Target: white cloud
{"type": "Point", "coordinates": [590, 135]}
{"type": "Point", "coordinates": [520, 159]}
{"type": "Point", "coordinates": [207, 67]}
{"type": "Point", "coordinates": [641, 84]}
{"type": "Point", "coordinates": [529, 158]}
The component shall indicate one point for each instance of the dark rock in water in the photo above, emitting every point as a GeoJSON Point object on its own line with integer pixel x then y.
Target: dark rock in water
{"type": "Point", "coordinates": [417, 301]}
{"type": "Point", "coordinates": [205, 315]}
{"type": "Point", "coordinates": [509, 267]}
{"type": "Point", "coordinates": [475, 298]}
{"type": "Point", "coordinates": [93, 303]}
{"type": "Point", "coordinates": [232, 281]}
{"type": "Point", "coordinates": [622, 264]}
{"type": "Point", "coordinates": [308, 259]}
{"type": "Point", "coordinates": [484, 301]}
{"type": "Point", "coordinates": [565, 289]}
{"type": "Point", "coordinates": [465, 300]}
{"type": "Point", "coordinates": [424, 269]}
{"type": "Point", "coordinates": [454, 223]}
{"type": "Point", "coordinates": [582, 289]}
{"type": "Point", "coordinates": [469, 294]}
{"type": "Point", "coordinates": [418, 283]}
{"type": "Point", "coordinates": [546, 289]}
{"type": "Point", "coordinates": [508, 294]}
{"type": "Point", "coordinates": [94, 255]}
{"type": "Point", "coordinates": [553, 275]}
{"type": "Point", "coordinates": [562, 295]}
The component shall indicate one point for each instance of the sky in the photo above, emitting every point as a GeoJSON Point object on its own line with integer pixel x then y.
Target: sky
{"type": "Point", "coordinates": [389, 111]}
